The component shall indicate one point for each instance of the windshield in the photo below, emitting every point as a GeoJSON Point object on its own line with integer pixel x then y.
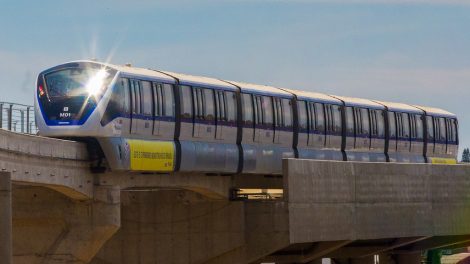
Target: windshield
{"type": "Point", "coordinates": [73, 82]}
{"type": "Point", "coordinates": [68, 94]}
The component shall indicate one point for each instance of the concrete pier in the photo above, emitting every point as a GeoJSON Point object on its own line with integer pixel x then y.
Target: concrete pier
{"type": "Point", "coordinates": [5, 218]}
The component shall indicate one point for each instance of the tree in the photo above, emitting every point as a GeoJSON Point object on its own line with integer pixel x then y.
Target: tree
{"type": "Point", "coordinates": [466, 155]}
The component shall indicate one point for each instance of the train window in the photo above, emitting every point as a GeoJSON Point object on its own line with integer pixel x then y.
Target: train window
{"type": "Point", "coordinates": [231, 109]}
{"type": "Point", "coordinates": [328, 118]}
{"type": "Point", "coordinates": [247, 109]}
{"type": "Point", "coordinates": [278, 117]}
{"type": "Point", "coordinates": [406, 125]}
{"type": "Point", "coordinates": [158, 100]}
{"type": "Point", "coordinates": [267, 110]}
{"type": "Point", "coordinates": [312, 120]}
{"type": "Point", "coordinates": [186, 102]}
{"type": "Point", "coordinates": [392, 125]}
{"type": "Point", "coordinates": [365, 121]}
{"type": "Point", "coordinates": [430, 129]}
{"type": "Point", "coordinates": [287, 111]}
{"type": "Point", "coordinates": [419, 127]}
{"type": "Point", "coordinates": [373, 123]}
{"type": "Point", "coordinates": [146, 95]}
{"type": "Point", "coordinates": [168, 100]}
{"type": "Point", "coordinates": [336, 109]}
{"type": "Point", "coordinates": [220, 105]}
{"type": "Point", "coordinates": [380, 123]}
{"type": "Point", "coordinates": [302, 114]}
{"type": "Point", "coordinates": [455, 135]}
{"type": "Point", "coordinates": [209, 109]}
{"type": "Point", "coordinates": [319, 117]}
{"type": "Point", "coordinates": [349, 121]}
{"type": "Point", "coordinates": [442, 130]}
{"type": "Point", "coordinates": [136, 106]}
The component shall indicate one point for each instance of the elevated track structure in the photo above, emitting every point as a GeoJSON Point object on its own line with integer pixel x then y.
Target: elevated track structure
{"type": "Point", "coordinates": [53, 209]}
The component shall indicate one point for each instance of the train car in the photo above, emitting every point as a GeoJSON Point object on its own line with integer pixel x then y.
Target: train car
{"type": "Point", "coordinates": [155, 121]}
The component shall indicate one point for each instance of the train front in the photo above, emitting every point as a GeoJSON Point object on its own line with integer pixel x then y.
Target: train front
{"type": "Point", "coordinates": [68, 98]}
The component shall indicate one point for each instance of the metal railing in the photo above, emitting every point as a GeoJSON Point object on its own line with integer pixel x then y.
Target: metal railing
{"type": "Point", "coordinates": [17, 118]}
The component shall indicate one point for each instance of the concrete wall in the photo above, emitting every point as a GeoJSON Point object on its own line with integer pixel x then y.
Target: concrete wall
{"type": "Point", "coordinates": [362, 201]}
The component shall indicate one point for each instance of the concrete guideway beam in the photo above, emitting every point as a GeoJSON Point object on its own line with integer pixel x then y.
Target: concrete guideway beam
{"type": "Point", "coordinates": [5, 218]}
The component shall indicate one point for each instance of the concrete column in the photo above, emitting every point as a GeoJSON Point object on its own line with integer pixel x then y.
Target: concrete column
{"type": "Point", "coordinates": [5, 218]}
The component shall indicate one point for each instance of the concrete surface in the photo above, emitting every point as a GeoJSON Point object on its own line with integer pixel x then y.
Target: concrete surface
{"type": "Point", "coordinates": [5, 218]}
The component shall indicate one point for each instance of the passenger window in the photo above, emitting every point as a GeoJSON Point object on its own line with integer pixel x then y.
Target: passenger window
{"type": "Point", "coordinates": [247, 109]}
{"type": "Point", "coordinates": [406, 125]}
{"type": "Point", "coordinates": [336, 112]}
{"type": "Point", "coordinates": [419, 127]}
{"type": "Point", "coordinates": [312, 120]}
{"type": "Point", "coordinates": [442, 130]}
{"type": "Point", "coordinates": [136, 107]}
{"type": "Point", "coordinates": [220, 105]}
{"type": "Point", "coordinates": [287, 111]}
{"type": "Point", "coordinates": [267, 110]}
{"type": "Point", "coordinates": [430, 127]}
{"type": "Point", "coordinates": [157, 91]}
{"type": "Point", "coordinates": [186, 102]}
{"type": "Point", "coordinates": [365, 121]}
{"type": "Point", "coordinates": [231, 109]}
{"type": "Point", "coordinates": [380, 123]}
{"type": "Point", "coordinates": [302, 114]}
{"type": "Point", "coordinates": [168, 100]}
{"type": "Point", "coordinates": [209, 111]}
{"type": "Point", "coordinates": [455, 134]}
{"type": "Point", "coordinates": [147, 98]}
{"type": "Point", "coordinates": [319, 118]}
{"type": "Point", "coordinates": [278, 116]}
{"type": "Point", "coordinates": [392, 126]}
{"type": "Point", "coordinates": [349, 121]}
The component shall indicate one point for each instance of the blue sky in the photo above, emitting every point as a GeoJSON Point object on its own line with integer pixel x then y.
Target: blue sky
{"type": "Point", "coordinates": [394, 50]}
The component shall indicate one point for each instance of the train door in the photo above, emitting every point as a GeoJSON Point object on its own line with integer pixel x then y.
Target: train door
{"type": "Point", "coordinates": [350, 133]}
{"type": "Point", "coordinates": [136, 109]}
{"type": "Point", "coordinates": [403, 125]}
{"type": "Point", "coordinates": [452, 141]}
{"type": "Point", "coordinates": [303, 137]}
{"type": "Point", "coordinates": [263, 119]}
{"type": "Point", "coordinates": [377, 130]}
{"type": "Point", "coordinates": [417, 136]}
{"type": "Point", "coordinates": [186, 112]}
{"type": "Point", "coordinates": [221, 109]}
{"type": "Point", "coordinates": [430, 134]}
{"type": "Point", "coordinates": [362, 129]}
{"type": "Point", "coordinates": [248, 118]}
{"type": "Point", "coordinates": [204, 120]}
{"type": "Point", "coordinates": [164, 110]}
{"type": "Point", "coordinates": [440, 141]}
{"type": "Point", "coordinates": [316, 125]}
{"type": "Point", "coordinates": [392, 136]}
{"type": "Point", "coordinates": [278, 119]}
{"type": "Point", "coordinates": [146, 100]}
{"type": "Point", "coordinates": [334, 127]}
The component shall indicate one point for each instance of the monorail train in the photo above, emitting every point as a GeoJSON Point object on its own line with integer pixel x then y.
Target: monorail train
{"type": "Point", "coordinates": [157, 121]}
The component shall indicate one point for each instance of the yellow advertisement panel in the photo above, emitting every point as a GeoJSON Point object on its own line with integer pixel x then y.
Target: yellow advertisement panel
{"type": "Point", "coordinates": [443, 161]}
{"type": "Point", "coordinates": [151, 155]}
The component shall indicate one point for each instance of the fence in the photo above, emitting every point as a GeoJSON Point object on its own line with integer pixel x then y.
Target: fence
{"type": "Point", "coordinates": [17, 118]}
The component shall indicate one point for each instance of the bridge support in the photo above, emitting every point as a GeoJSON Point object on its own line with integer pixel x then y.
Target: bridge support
{"type": "Point", "coordinates": [5, 218]}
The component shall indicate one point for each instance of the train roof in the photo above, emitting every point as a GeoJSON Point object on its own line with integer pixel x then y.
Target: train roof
{"type": "Point", "coordinates": [359, 102]}
{"type": "Point", "coordinates": [436, 111]}
{"type": "Point", "coordinates": [313, 96]}
{"type": "Point", "coordinates": [400, 107]}
{"type": "Point", "coordinates": [186, 79]}
{"type": "Point", "coordinates": [145, 73]}
{"type": "Point", "coordinates": [261, 89]}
